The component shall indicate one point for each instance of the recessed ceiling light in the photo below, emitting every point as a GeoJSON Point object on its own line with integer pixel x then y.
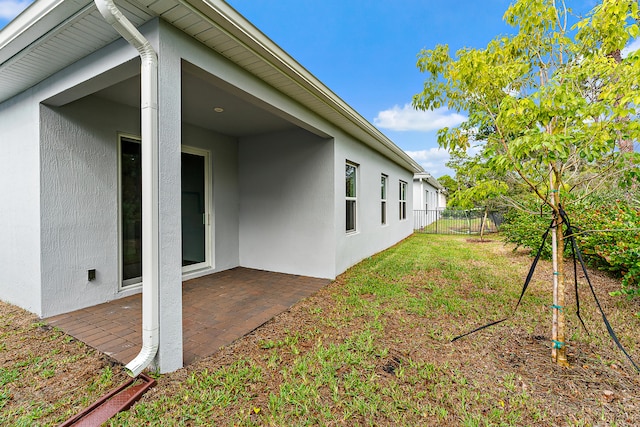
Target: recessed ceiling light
{"type": "Point", "coordinates": [218, 109]}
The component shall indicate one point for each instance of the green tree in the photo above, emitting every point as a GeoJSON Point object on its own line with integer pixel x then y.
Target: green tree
{"type": "Point", "coordinates": [477, 185]}
{"type": "Point", "coordinates": [449, 184]}
{"type": "Point", "coordinates": [548, 104]}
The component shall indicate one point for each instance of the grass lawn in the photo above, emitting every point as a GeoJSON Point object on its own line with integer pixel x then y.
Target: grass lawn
{"type": "Point", "coordinates": [372, 348]}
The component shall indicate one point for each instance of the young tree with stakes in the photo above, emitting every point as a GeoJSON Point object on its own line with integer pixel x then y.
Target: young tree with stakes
{"type": "Point", "coordinates": [547, 104]}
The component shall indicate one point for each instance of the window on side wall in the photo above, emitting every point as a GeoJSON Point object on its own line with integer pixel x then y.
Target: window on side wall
{"type": "Point", "coordinates": [383, 199]}
{"type": "Point", "coordinates": [403, 200]}
{"type": "Point", "coordinates": [351, 179]}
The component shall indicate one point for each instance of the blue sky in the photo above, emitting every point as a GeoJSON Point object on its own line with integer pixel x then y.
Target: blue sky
{"type": "Point", "coordinates": [366, 51]}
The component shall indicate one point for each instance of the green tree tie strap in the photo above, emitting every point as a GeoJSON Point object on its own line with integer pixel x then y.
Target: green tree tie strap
{"type": "Point", "coordinates": [558, 344]}
{"type": "Point", "coordinates": [558, 307]}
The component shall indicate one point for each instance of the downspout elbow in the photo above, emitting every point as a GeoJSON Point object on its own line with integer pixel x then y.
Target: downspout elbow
{"type": "Point", "coordinates": [145, 356]}
{"type": "Point", "coordinates": [126, 29]}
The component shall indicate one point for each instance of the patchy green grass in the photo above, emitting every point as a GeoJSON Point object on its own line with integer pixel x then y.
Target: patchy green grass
{"type": "Point", "coordinates": [373, 349]}
{"type": "Point", "coordinates": [45, 376]}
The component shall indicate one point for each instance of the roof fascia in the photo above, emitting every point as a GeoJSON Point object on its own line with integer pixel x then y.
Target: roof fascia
{"type": "Point", "coordinates": [429, 179]}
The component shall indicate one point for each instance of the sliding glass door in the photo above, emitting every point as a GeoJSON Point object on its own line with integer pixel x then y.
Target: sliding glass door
{"type": "Point", "coordinates": [196, 235]}
{"type": "Point", "coordinates": [130, 212]}
{"type": "Point", "coordinates": [195, 212]}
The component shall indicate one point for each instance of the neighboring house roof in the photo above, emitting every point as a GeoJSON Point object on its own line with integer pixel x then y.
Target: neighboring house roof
{"type": "Point", "coordinates": [426, 177]}
{"type": "Point", "coordinates": [53, 34]}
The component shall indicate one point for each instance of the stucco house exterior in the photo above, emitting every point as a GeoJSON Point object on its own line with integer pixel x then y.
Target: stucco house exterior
{"type": "Point", "coordinates": [429, 198]}
{"type": "Point", "coordinates": [256, 163]}
{"type": "Point", "coordinates": [428, 193]}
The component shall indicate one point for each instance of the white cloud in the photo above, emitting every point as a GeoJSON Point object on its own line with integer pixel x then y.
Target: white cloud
{"type": "Point", "coordinates": [432, 160]}
{"type": "Point", "coordinates": [635, 45]}
{"type": "Point", "coordinates": [9, 9]}
{"type": "Point", "coordinates": [409, 119]}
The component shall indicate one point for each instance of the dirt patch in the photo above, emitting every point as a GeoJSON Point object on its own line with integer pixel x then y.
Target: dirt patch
{"type": "Point", "coordinates": [478, 241]}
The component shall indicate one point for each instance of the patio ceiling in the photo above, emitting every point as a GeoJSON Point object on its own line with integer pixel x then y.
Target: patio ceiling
{"type": "Point", "coordinates": [243, 115]}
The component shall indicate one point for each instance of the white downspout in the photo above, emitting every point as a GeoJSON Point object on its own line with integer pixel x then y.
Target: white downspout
{"type": "Point", "coordinates": [149, 131]}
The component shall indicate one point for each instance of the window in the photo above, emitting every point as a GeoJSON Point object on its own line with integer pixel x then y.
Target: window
{"type": "Point", "coordinates": [403, 200]}
{"type": "Point", "coordinates": [383, 199]}
{"type": "Point", "coordinates": [351, 171]}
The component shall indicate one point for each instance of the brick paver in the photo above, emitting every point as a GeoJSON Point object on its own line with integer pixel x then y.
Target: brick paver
{"type": "Point", "coordinates": [216, 310]}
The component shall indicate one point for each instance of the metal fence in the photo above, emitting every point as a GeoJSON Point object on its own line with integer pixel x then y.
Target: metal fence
{"type": "Point", "coordinates": [451, 221]}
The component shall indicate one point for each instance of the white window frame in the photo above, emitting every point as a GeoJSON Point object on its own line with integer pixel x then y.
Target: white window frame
{"type": "Point", "coordinates": [384, 184]}
{"type": "Point", "coordinates": [352, 199]}
{"type": "Point", "coordinates": [402, 200]}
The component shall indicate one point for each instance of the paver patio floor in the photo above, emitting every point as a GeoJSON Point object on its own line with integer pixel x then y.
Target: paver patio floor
{"type": "Point", "coordinates": [216, 310]}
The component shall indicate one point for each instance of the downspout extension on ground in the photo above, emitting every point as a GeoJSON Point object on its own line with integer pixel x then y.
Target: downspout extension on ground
{"type": "Point", "coordinates": [149, 134]}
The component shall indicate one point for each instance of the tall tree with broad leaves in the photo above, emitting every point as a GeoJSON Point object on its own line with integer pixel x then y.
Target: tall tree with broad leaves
{"type": "Point", "coordinates": [547, 104]}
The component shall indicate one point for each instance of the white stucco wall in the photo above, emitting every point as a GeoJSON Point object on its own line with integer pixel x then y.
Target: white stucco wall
{"type": "Point", "coordinates": [78, 171]}
{"type": "Point", "coordinates": [79, 198]}
{"type": "Point", "coordinates": [442, 200]}
{"type": "Point", "coordinates": [26, 242]}
{"type": "Point", "coordinates": [20, 207]}
{"type": "Point", "coordinates": [169, 355]}
{"type": "Point", "coordinates": [426, 195]}
{"type": "Point", "coordinates": [418, 195]}
{"type": "Point", "coordinates": [427, 202]}
{"type": "Point", "coordinates": [286, 204]}
{"type": "Point", "coordinates": [79, 174]}
{"type": "Point", "coordinates": [370, 236]}
{"type": "Point", "coordinates": [344, 251]}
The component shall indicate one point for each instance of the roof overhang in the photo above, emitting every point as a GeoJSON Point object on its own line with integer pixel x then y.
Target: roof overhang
{"type": "Point", "coordinates": [429, 179]}
{"type": "Point", "coordinates": [53, 34]}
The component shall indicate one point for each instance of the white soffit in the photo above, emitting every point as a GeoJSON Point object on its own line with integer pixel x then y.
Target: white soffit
{"type": "Point", "coordinates": [62, 43]}
{"type": "Point", "coordinates": [53, 34]}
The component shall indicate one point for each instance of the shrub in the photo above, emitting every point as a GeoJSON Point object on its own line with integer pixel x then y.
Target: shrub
{"type": "Point", "coordinates": [525, 229]}
{"type": "Point", "coordinates": [607, 233]}
{"type": "Point", "coordinates": [610, 239]}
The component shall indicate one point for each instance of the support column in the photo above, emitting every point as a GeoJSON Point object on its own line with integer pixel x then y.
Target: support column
{"type": "Point", "coordinates": [169, 356]}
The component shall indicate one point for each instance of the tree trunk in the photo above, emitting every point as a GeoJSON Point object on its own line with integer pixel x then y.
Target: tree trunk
{"type": "Point", "coordinates": [484, 221]}
{"type": "Point", "coordinates": [559, 349]}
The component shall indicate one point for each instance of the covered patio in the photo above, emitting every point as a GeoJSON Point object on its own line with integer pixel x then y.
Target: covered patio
{"type": "Point", "coordinates": [217, 309]}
